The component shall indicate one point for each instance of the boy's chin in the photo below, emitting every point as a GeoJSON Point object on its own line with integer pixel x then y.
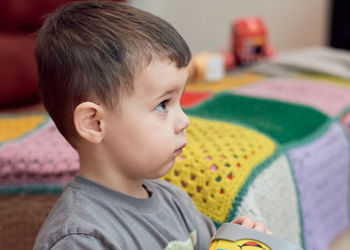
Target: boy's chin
{"type": "Point", "coordinates": [165, 170]}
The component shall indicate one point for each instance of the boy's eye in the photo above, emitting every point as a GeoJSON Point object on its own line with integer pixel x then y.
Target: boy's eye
{"type": "Point", "coordinates": [162, 106]}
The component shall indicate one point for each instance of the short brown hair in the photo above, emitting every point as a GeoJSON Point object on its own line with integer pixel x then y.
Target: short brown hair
{"type": "Point", "coordinates": [95, 49]}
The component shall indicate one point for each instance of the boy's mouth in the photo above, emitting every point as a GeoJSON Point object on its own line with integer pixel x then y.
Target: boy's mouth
{"type": "Point", "coordinates": [179, 150]}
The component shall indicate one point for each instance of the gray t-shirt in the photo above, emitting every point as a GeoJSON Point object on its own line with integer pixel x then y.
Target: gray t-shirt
{"type": "Point", "coordinates": [91, 216]}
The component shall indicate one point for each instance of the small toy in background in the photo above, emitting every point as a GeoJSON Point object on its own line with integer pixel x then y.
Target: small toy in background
{"type": "Point", "coordinates": [249, 41]}
{"type": "Point", "coordinates": [249, 44]}
{"type": "Point", "coordinates": [229, 59]}
{"type": "Point", "coordinates": [207, 67]}
{"type": "Point", "coordinates": [231, 236]}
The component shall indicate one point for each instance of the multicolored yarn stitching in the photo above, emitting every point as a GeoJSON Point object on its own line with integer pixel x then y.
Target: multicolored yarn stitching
{"type": "Point", "coordinates": [332, 80]}
{"type": "Point", "coordinates": [190, 99]}
{"type": "Point", "coordinates": [284, 122]}
{"type": "Point", "coordinates": [272, 198]}
{"type": "Point", "coordinates": [23, 215]}
{"type": "Point", "coordinates": [307, 92]}
{"type": "Point", "coordinates": [216, 163]}
{"type": "Point", "coordinates": [282, 163]}
{"type": "Point", "coordinates": [229, 82]}
{"type": "Point", "coordinates": [42, 156]}
{"type": "Point", "coordinates": [321, 170]}
{"type": "Point", "coordinates": [14, 127]}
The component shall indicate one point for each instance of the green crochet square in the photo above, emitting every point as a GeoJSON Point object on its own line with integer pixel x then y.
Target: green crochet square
{"type": "Point", "coordinates": [284, 122]}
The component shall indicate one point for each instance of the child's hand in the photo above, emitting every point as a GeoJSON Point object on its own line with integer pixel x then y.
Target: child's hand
{"type": "Point", "coordinates": [248, 222]}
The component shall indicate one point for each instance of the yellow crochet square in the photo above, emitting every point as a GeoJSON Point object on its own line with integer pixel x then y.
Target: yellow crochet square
{"type": "Point", "coordinates": [14, 127]}
{"type": "Point", "coordinates": [216, 163]}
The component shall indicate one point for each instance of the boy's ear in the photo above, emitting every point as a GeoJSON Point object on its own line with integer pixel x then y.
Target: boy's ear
{"type": "Point", "coordinates": [89, 122]}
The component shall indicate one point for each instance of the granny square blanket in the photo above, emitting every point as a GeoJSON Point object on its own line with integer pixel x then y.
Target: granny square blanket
{"type": "Point", "coordinates": [273, 148]}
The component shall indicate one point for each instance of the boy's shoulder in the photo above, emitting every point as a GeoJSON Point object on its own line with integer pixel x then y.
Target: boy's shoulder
{"type": "Point", "coordinates": [72, 214]}
{"type": "Point", "coordinates": [88, 209]}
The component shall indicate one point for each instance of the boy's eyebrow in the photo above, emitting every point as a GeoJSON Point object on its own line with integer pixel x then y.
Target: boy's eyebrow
{"type": "Point", "coordinates": [168, 92]}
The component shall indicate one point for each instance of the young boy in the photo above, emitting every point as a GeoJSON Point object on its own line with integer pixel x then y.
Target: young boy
{"type": "Point", "coordinates": [111, 77]}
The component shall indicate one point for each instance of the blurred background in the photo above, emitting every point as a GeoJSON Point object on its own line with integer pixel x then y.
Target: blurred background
{"type": "Point", "coordinates": [205, 24]}
{"type": "Point", "coordinates": [299, 101]}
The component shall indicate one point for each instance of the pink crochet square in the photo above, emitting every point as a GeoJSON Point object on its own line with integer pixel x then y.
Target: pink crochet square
{"type": "Point", "coordinates": [329, 98]}
{"type": "Point", "coordinates": [43, 156]}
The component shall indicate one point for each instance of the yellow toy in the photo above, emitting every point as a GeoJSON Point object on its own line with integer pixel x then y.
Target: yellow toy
{"type": "Point", "coordinates": [232, 236]}
{"type": "Point", "coordinates": [238, 245]}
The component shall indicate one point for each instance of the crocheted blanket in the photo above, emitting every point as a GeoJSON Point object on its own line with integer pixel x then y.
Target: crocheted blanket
{"type": "Point", "coordinates": [275, 149]}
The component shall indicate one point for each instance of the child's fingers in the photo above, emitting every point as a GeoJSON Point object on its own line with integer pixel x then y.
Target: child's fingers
{"type": "Point", "coordinates": [248, 222]}
{"type": "Point", "coordinates": [244, 221]}
{"type": "Point", "coordinates": [259, 227]}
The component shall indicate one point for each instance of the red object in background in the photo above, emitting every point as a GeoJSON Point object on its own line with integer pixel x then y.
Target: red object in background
{"type": "Point", "coordinates": [19, 20]}
{"type": "Point", "coordinates": [249, 40]}
{"type": "Point", "coordinates": [24, 15]}
{"type": "Point", "coordinates": [19, 80]}
{"type": "Point", "coordinates": [191, 99]}
{"type": "Point", "coordinates": [229, 60]}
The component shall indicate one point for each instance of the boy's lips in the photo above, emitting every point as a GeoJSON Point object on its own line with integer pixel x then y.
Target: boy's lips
{"type": "Point", "coordinates": [179, 150]}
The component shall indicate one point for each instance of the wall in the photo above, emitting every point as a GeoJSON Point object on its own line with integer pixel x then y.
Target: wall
{"type": "Point", "coordinates": [205, 24]}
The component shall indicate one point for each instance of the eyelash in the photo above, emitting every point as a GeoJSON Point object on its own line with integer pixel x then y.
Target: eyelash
{"type": "Point", "coordinates": [162, 107]}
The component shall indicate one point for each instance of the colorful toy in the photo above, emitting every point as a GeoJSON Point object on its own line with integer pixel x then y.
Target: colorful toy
{"type": "Point", "coordinates": [232, 236]}
{"type": "Point", "coordinates": [248, 44]}
{"type": "Point", "coordinates": [249, 41]}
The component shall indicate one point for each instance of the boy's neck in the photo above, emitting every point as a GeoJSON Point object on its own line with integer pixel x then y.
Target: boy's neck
{"type": "Point", "coordinates": [94, 166]}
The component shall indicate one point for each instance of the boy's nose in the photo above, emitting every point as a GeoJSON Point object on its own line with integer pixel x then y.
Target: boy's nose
{"type": "Point", "coordinates": [182, 122]}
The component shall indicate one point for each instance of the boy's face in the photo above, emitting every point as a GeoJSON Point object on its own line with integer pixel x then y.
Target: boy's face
{"type": "Point", "coordinates": [144, 139]}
